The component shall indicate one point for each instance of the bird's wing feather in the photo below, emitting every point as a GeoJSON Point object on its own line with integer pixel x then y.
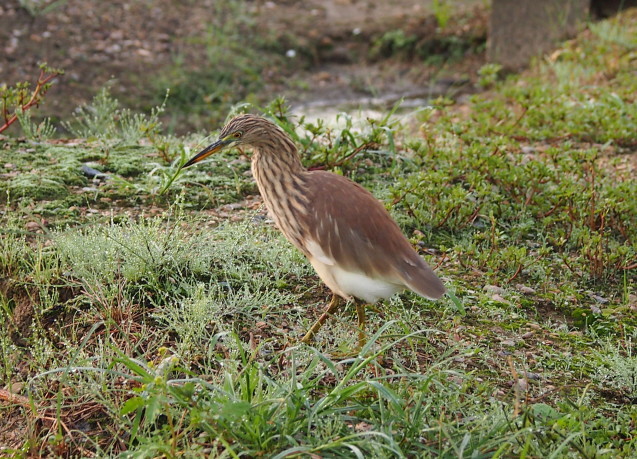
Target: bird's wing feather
{"type": "Point", "coordinates": [351, 228]}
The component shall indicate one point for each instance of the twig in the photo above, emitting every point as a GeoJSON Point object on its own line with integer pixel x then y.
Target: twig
{"type": "Point", "coordinates": [444, 257]}
{"type": "Point", "coordinates": [356, 151]}
{"type": "Point", "coordinates": [449, 212]}
{"type": "Point", "coordinates": [517, 121]}
{"type": "Point", "coordinates": [472, 218]}
{"type": "Point", "coordinates": [570, 268]}
{"type": "Point", "coordinates": [516, 273]}
{"type": "Point", "coordinates": [36, 97]}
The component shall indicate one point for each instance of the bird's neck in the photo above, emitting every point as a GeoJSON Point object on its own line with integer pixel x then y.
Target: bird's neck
{"type": "Point", "coordinates": [281, 179]}
{"type": "Point", "coordinates": [278, 158]}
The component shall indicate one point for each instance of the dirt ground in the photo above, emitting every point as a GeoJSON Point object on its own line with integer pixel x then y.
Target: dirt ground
{"type": "Point", "coordinates": [128, 40]}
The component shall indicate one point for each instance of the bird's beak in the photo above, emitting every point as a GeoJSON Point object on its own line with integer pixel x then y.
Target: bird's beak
{"type": "Point", "coordinates": [210, 149]}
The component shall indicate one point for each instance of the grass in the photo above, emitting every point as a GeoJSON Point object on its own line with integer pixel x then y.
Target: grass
{"type": "Point", "coordinates": [140, 324]}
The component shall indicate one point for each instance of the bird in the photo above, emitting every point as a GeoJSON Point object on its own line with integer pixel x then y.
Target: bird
{"type": "Point", "coordinates": [348, 236]}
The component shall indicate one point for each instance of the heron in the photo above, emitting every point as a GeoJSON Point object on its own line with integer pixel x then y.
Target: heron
{"type": "Point", "coordinates": [348, 236]}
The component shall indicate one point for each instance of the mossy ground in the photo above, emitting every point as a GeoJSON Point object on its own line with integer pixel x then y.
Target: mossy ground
{"type": "Point", "coordinates": [143, 324]}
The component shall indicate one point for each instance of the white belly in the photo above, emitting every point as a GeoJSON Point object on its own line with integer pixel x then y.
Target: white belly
{"type": "Point", "coordinates": [348, 284]}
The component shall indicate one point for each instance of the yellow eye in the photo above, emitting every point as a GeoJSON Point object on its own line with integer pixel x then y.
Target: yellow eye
{"type": "Point", "coordinates": [236, 135]}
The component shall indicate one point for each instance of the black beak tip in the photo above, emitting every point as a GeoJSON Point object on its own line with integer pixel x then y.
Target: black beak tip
{"type": "Point", "coordinates": [210, 149]}
{"type": "Point", "coordinates": [190, 162]}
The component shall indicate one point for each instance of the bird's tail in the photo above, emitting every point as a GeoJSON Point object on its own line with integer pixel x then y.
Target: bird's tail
{"type": "Point", "coordinates": [420, 278]}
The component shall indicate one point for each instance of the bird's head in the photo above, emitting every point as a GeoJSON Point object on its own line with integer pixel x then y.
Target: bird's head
{"type": "Point", "coordinates": [249, 130]}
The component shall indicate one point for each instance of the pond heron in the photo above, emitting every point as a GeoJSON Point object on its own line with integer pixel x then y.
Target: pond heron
{"type": "Point", "coordinates": [348, 236]}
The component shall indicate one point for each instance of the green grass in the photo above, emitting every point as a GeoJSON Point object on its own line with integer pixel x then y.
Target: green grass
{"type": "Point", "coordinates": [140, 324]}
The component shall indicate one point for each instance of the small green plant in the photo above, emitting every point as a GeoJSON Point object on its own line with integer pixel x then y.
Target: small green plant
{"type": "Point", "coordinates": [156, 394]}
{"type": "Point", "coordinates": [442, 11]}
{"type": "Point", "coordinates": [618, 366]}
{"type": "Point", "coordinates": [613, 31]}
{"type": "Point", "coordinates": [16, 100]}
{"type": "Point", "coordinates": [105, 120]}
{"type": "Point", "coordinates": [343, 147]}
{"type": "Point", "coordinates": [32, 131]}
{"type": "Point", "coordinates": [488, 74]}
{"type": "Point", "coordinates": [41, 7]}
{"type": "Point", "coordinates": [393, 42]}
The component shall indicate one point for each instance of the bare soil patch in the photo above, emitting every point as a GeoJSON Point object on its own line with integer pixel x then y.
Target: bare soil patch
{"type": "Point", "coordinates": [131, 41]}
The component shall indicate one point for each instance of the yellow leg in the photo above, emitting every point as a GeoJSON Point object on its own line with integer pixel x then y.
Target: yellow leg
{"type": "Point", "coordinates": [333, 306]}
{"type": "Point", "coordinates": [360, 311]}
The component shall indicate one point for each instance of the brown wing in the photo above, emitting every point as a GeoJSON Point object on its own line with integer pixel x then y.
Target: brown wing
{"type": "Point", "coordinates": [353, 228]}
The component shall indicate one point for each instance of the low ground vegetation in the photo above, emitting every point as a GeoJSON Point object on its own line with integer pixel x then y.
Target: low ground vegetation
{"type": "Point", "coordinates": [147, 324]}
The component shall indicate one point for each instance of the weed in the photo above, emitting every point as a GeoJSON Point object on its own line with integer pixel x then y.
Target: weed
{"type": "Point", "coordinates": [442, 11]}
{"type": "Point", "coordinates": [40, 8]}
{"type": "Point", "coordinates": [104, 120]}
{"type": "Point", "coordinates": [16, 100]}
{"type": "Point", "coordinates": [488, 75]}
{"type": "Point", "coordinates": [393, 42]}
{"type": "Point", "coordinates": [42, 131]}
{"type": "Point", "coordinates": [618, 367]}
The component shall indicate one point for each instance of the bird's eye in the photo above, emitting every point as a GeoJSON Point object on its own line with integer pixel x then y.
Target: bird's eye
{"type": "Point", "coordinates": [237, 135]}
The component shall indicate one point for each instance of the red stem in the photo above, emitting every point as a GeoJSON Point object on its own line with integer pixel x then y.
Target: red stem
{"type": "Point", "coordinates": [34, 100]}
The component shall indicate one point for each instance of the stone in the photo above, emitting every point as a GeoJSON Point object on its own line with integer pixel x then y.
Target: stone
{"type": "Point", "coordinates": [494, 289]}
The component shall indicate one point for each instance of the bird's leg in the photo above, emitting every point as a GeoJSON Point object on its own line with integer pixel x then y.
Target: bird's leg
{"type": "Point", "coordinates": [333, 306]}
{"type": "Point", "coordinates": [360, 311]}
